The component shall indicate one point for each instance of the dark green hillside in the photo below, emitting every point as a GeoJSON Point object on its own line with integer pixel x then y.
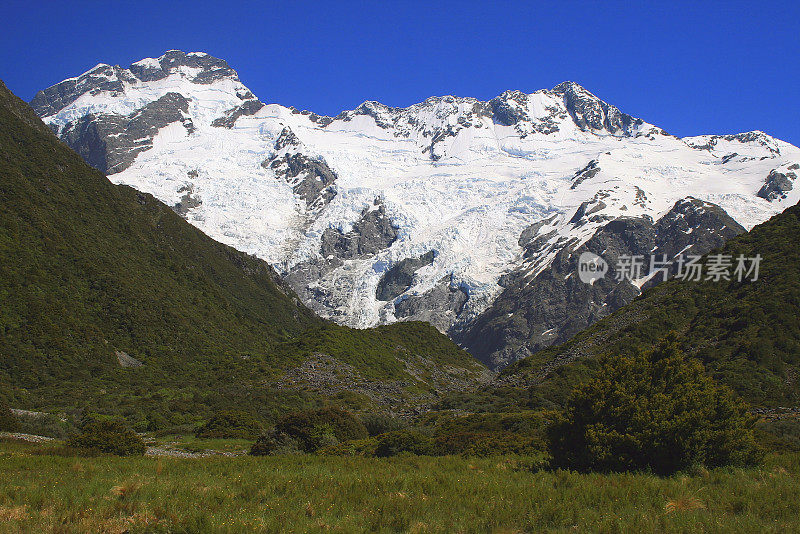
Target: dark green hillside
{"type": "Point", "coordinates": [89, 270]}
{"type": "Point", "coordinates": [746, 334]}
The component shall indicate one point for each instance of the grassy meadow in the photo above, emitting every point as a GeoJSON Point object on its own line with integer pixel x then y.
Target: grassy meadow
{"type": "Point", "coordinates": [43, 492]}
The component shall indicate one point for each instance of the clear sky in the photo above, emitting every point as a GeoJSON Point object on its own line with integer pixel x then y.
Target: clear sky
{"type": "Point", "coordinates": [688, 67]}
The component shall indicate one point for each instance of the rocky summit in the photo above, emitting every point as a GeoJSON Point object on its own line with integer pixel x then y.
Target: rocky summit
{"type": "Point", "coordinates": [464, 213]}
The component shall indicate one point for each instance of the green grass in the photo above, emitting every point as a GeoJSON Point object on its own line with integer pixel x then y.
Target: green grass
{"type": "Point", "coordinates": [40, 493]}
{"type": "Point", "coordinates": [194, 444]}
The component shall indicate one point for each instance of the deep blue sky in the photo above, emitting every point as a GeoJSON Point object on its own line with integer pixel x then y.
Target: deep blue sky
{"type": "Point", "coordinates": [717, 67]}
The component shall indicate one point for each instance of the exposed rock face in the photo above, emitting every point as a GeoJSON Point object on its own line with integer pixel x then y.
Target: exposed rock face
{"type": "Point", "coordinates": [512, 109]}
{"type": "Point", "coordinates": [591, 113]}
{"type": "Point", "coordinates": [370, 234]}
{"type": "Point", "coordinates": [439, 306]}
{"type": "Point", "coordinates": [111, 78]}
{"type": "Point", "coordinates": [210, 69]}
{"type": "Point", "coordinates": [590, 171]}
{"type": "Point", "coordinates": [286, 138]}
{"type": "Point", "coordinates": [110, 143]}
{"type": "Point", "coordinates": [246, 109]}
{"type": "Point", "coordinates": [712, 142]}
{"type": "Point", "coordinates": [533, 313]}
{"type": "Point", "coordinates": [400, 276]}
{"type": "Point", "coordinates": [311, 179]}
{"type": "Point", "coordinates": [188, 201]}
{"type": "Point", "coordinates": [778, 184]}
{"type": "Point", "coordinates": [125, 360]}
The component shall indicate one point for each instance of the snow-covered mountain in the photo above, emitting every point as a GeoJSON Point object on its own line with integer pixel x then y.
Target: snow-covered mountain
{"type": "Point", "coordinates": [427, 212]}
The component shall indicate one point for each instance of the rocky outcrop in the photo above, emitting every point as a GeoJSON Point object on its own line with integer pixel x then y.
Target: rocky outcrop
{"type": "Point", "coordinates": [286, 138]}
{"type": "Point", "coordinates": [110, 143]}
{"type": "Point", "coordinates": [400, 276]}
{"type": "Point", "coordinates": [511, 109]}
{"type": "Point", "coordinates": [778, 184]}
{"type": "Point", "coordinates": [188, 200]}
{"type": "Point", "coordinates": [590, 171]}
{"type": "Point", "coordinates": [711, 142]}
{"type": "Point", "coordinates": [126, 360]}
{"type": "Point", "coordinates": [440, 305]}
{"type": "Point", "coordinates": [311, 179]}
{"type": "Point", "coordinates": [372, 233]}
{"type": "Point", "coordinates": [536, 311]}
{"type": "Point", "coordinates": [590, 113]}
{"type": "Point", "coordinates": [246, 109]}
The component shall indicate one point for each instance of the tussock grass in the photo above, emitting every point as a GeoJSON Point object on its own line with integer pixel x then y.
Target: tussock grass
{"type": "Point", "coordinates": [40, 493]}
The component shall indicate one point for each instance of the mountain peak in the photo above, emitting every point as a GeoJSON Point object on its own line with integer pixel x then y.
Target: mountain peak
{"type": "Point", "coordinates": [569, 85]}
{"type": "Point", "coordinates": [208, 68]}
{"type": "Point", "coordinates": [590, 113]}
{"type": "Point", "coordinates": [197, 67]}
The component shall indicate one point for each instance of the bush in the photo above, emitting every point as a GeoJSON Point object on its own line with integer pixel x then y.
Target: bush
{"type": "Point", "coordinates": [377, 424]}
{"type": "Point", "coordinates": [316, 428]}
{"type": "Point", "coordinates": [364, 448]}
{"type": "Point", "coordinates": [274, 442]}
{"type": "Point", "coordinates": [485, 444]}
{"type": "Point", "coordinates": [230, 424]}
{"type": "Point", "coordinates": [656, 411]}
{"type": "Point", "coordinates": [108, 436]}
{"type": "Point", "coordinates": [8, 421]}
{"type": "Point", "coordinates": [404, 441]}
{"type": "Point", "coordinates": [308, 431]}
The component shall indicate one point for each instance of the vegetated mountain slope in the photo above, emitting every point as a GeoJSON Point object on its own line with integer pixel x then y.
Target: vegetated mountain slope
{"type": "Point", "coordinates": [109, 298]}
{"type": "Point", "coordinates": [746, 333]}
{"type": "Point", "coordinates": [467, 197]}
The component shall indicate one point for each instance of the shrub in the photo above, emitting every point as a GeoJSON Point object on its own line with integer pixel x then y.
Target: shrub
{"type": "Point", "coordinates": [310, 430]}
{"type": "Point", "coordinates": [156, 421]}
{"type": "Point", "coordinates": [404, 441]}
{"type": "Point", "coordinates": [230, 424]}
{"type": "Point", "coordinates": [108, 436]}
{"type": "Point", "coordinates": [364, 448]}
{"type": "Point", "coordinates": [275, 442]}
{"type": "Point", "coordinates": [485, 444]}
{"type": "Point", "coordinates": [8, 421]}
{"type": "Point", "coordinates": [316, 428]}
{"type": "Point", "coordinates": [656, 411]}
{"type": "Point", "coordinates": [377, 424]}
